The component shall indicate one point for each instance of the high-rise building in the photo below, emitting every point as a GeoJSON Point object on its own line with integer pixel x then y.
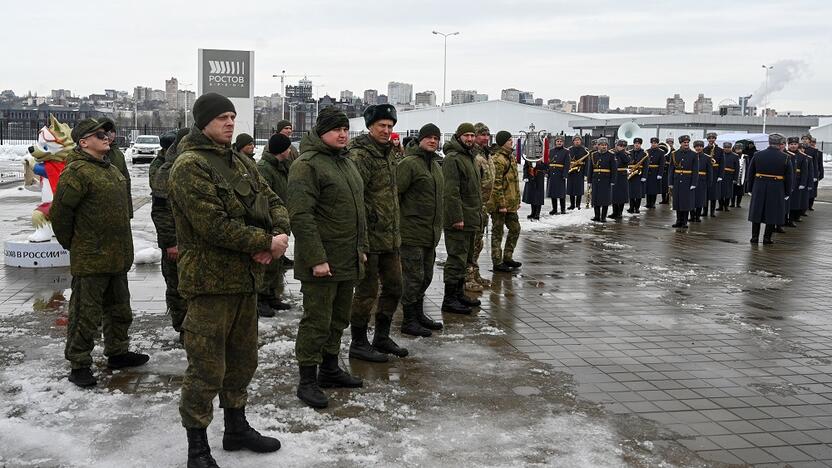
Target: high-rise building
{"type": "Point", "coordinates": [703, 105]}
{"type": "Point", "coordinates": [463, 96]}
{"type": "Point", "coordinates": [570, 106]}
{"type": "Point", "coordinates": [399, 93]}
{"type": "Point", "coordinates": [603, 103]}
{"type": "Point", "coordinates": [480, 97]}
{"type": "Point", "coordinates": [300, 93]}
{"type": "Point", "coordinates": [588, 103]}
{"type": "Point", "coordinates": [171, 90]}
{"type": "Point", "coordinates": [426, 99]}
{"type": "Point", "coordinates": [675, 105]}
{"type": "Point", "coordinates": [745, 108]}
{"type": "Point", "coordinates": [538, 102]}
{"type": "Point", "coordinates": [370, 97]}
{"type": "Point", "coordinates": [346, 96]}
{"type": "Point", "coordinates": [158, 95]}
{"type": "Point", "coordinates": [185, 99]}
{"type": "Point", "coordinates": [381, 99]}
{"type": "Point", "coordinates": [526, 97]}
{"type": "Point", "coordinates": [510, 94]}
{"type": "Point", "coordinates": [142, 94]}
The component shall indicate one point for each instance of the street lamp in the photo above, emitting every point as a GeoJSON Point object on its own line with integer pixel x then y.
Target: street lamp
{"type": "Point", "coordinates": [445, 67]}
{"type": "Point", "coordinates": [765, 104]}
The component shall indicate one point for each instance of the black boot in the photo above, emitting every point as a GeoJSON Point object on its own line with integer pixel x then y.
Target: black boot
{"type": "Point", "coordinates": [460, 294]}
{"type": "Point", "coordinates": [678, 223]}
{"type": "Point", "coordinates": [332, 376]}
{"type": "Point", "coordinates": [755, 233]}
{"type": "Point", "coordinates": [770, 230]}
{"type": "Point", "coordinates": [451, 303]}
{"type": "Point", "coordinates": [410, 322]}
{"type": "Point", "coordinates": [554, 210]}
{"type": "Point", "coordinates": [578, 204]}
{"type": "Point", "coordinates": [424, 320]}
{"type": "Point", "coordinates": [571, 202]}
{"type": "Point", "coordinates": [360, 347]}
{"type": "Point", "coordinates": [199, 452]}
{"type": "Point", "coordinates": [275, 303]}
{"type": "Point", "coordinates": [502, 268]}
{"type": "Point", "coordinates": [128, 359]}
{"type": "Point", "coordinates": [597, 217]}
{"type": "Point", "coordinates": [308, 390]}
{"type": "Point", "coordinates": [382, 341]}
{"type": "Point", "coordinates": [713, 208]}
{"type": "Point", "coordinates": [263, 308]}
{"type": "Point", "coordinates": [563, 205]}
{"type": "Point", "coordinates": [512, 263]}
{"type": "Point", "coordinates": [82, 377]}
{"type": "Point", "coordinates": [239, 435]}
{"type": "Point", "coordinates": [614, 212]}
{"type": "Point", "coordinates": [604, 209]}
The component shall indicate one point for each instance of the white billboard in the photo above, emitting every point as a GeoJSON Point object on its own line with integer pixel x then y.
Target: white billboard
{"type": "Point", "coordinates": [230, 73]}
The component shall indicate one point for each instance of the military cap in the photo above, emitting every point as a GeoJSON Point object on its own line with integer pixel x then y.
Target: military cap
{"type": "Point", "coordinates": [502, 137]}
{"type": "Point", "coordinates": [429, 129]}
{"type": "Point", "coordinates": [577, 137]}
{"type": "Point", "coordinates": [210, 105]}
{"type": "Point", "coordinates": [559, 137]}
{"type": "Point", "coordinates": [465, 127]}
{"type": "Point", "coordinates": [776, 139]}
{"type": "Point", "coordinates": [481, 129]}
{"type": "Point", "coordinates": [602, 141]}
{"type": "Point", "coordinates": [698, 143]}
{"type": "Point", "coordinates": [378, 112]}
{"type": "Point", "coordinates": [87, 126]}
{"type": "Point", "coordinates": [684, 138]}
{"type": "Point", "coordinates": [329, 119]}
{"type": "Point", "coordinates": [668, 140]}
{"type": "Point", "coordinates": [813, 139]}
{"type": "Point", "coordinates": [793, 140]}
{"type": "Point", "coordinates": [621, 143]}
{"type": "Point", "coordinates": [637, 140]}
{"type": "Point", "coordinates": [109, 124]}
{"type": "Point", "coordinates": [739, 146]}
{"type": "Point", "coordinates": [727, 144]}
{"type": "Point", "coordinates": [654, 140]}
{"type": "Point", "coordinates": [710, 135]}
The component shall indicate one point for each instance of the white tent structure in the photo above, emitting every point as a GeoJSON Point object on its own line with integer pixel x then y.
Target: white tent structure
{"type": "Point", "coordinates": [498, 115]}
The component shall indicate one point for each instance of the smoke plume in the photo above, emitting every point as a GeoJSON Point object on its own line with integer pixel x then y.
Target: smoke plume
{"type": "Point", "coordinates": [784, 71]}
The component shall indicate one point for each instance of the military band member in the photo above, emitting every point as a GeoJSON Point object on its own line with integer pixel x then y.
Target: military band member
{"type": "Point", "coordinates": [742, 175]}
{"type": "Point", "coordinates": [637, 177]}
{"type": "Point", "coordinates": [559, 163]}
{"type": "Point", "coordinates": [732, 165]}
{"type": "Point", "coordinates": [817, 169]}
{"type": "Point", "coordinates": [655, 172]}
{"type": "Point", "coordinates": [809, 193]}
{"type": "Point", "coordinates": [705, 172]}
{"type": "Point", "coordinates": [666, 181]}
{"type": "Point", "coordinates": [717, 158]}
{"type": "Point", "coordinates": [578, 156]}
{"type": "Point", "coordinates": [620, 189]}
{"type": "Point", "coordinates": [800, 173]}
{"type": "Point", "coordinates": [601, 172]}
{"type": "Point", "coordinates": [769, 181]}
{"type": "Point", "coordinates": [683, 173]}
{"type": "Point", "coordinates": [534, 191]}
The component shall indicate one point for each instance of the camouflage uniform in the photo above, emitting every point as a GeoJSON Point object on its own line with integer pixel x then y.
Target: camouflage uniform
{"type": "Point", "coordinates": [162, 216]}
{"type": "Point", "coordinates": [224, 213]}
{"type": "Point", "coordinates": [485, 164]}
{"type": "Point", "coordinates": [276, 174]}
{"type": "Point", "coordinates": [90, 218]}
{"type": "Point", "coordinates": [377, 166]}
{"type": "Point", "coordinates": [506, 195]}
{"type": "Point", "coordinates": [326, 208]}
{"type": "Point", "coordinates": [116, 158]}
{"type": "Point", "coordinates": [462, 202]}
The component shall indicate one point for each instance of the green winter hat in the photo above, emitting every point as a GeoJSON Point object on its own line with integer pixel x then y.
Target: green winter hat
{"type": "Point", "coordinates": [283, 124]}
{"type": "Point", "coordinates": [331, 118]}
{"type": "Point", "coordinates": [208, 106]}
{"type": "Point", "coordinates": [242, 140]}
{"type": "Point", "coordinates": [429, 129]}
{"type": "Point", "coordinates": [502, 137]}
{"type": "Point", "coordinates": [465, 127]}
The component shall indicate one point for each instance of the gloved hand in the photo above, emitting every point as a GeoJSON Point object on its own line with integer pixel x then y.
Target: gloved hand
{"type": "Point", "coordinates": [719, 179]}
{"type": "Point", "coordinates": [815, 179]}
{"type": "Point", "coordinates": [658, 177]}
{"type": "Point", "coordinates": [787, 198]}
{"type": "Point", "coordinates": [693, 187]}
{"type": "Point", "coordinates": [802, 187]}
{"type": "Point", "coordinates": [644, 179]}
{"type": "Point", "coordinates": [525, 180]}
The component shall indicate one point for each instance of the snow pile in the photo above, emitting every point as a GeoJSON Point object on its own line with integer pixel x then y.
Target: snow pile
{"type": "Point", "coordinates": [145, 249]}
{"type": "Point", "coordinates": [13, 152]}
{"type": "Point", "coordinates": [548, 222]}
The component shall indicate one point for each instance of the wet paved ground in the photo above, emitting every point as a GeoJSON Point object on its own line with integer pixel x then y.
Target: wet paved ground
{"type": "Point", "coordinates": [624, 344]}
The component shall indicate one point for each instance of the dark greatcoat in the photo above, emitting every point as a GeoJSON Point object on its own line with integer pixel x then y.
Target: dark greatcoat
{"type": "Point", "coordinates": [705, 172]}
{"type": "Point", "coordinates": [575, 179]}
{"type": "Point", "coordinates": [558, 169]}
{"type": "Point", "coordinates": [732, 169]}
{"type": "Point", "coordinates": [717, 173]}
{"type": "Point", "coordinates": [636, 186]}
{"type": "Point", "coordinates": [620, 191]}
{"type": "Point", "coordinates": [655, 171]}
{"type": "Point", "coordinates": [534, 192]}
{"type": "Point", "coordinates": [601, 171]}
{"type": "Point", "coordinates": [800, 173]}
{"type": "Point", "coordinates": [683, 169]}
{"type": "Point", "coordinates": [810, 187]}
{"type": "Point", "coordinates": [769, 180]}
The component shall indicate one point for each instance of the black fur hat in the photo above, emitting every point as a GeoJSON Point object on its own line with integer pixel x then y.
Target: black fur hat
{"type": "Point", "coordinates": [378, 112]}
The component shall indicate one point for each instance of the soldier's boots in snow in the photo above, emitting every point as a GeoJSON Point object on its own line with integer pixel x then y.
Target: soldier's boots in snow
{"type": "Point", "coordinates": [360, 347]}
{"type": "Point", "coordinates": [308, 390]}
{"type": "Point", "coordinates": [199, 452]}
{"type": "Point", "coordinates": [330, 375]}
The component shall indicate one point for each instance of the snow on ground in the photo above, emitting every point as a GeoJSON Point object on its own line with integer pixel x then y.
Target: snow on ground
{"type": "Point", "coordinates": [14, 152]}
{"type": "Point", "coordinates": [548, 222]}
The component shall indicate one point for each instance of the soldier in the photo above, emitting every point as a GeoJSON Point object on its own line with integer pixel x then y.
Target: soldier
{"type": "Point", "coordinates": [770, 183]}
{"type": "Point", "coordinates": [228, 225]}
{"type": "Point", "coordinates": [684, 174]}
{"type": "Point", "coordinates": [420, 185]}
{"type": "Point", "coordinates": [620, 189]}
{"type": "Point", "coordinates": [482, 137]}
{"type": "Point", "coordinates": [601, 170]}
{"type": "Point", "coordinates": [326, 208]}
{"type": "Point", "coordinates": [162, 217]}
{"type": "Point", "coordinates": [742, 175]}
{"type": "Point", "coordinates": [462, 217]}
{"type": "Point", "coordinates": [116, 158]}
{"type": "Point", "coordinates": [285, 127]}
{"type": "Point", "coordinates": [817, 166]}
{"type": "Point", "coordinates": [702, 182]}
{"type": "Point", "coordinates": [655, 173]}
{"type": "Point", "coordinates": [244, 144]}
{"type": "Point", "coordinates": [578, 156]}
{"type": "Point", "coordinates": [800, 172]}
{"type": "Point", "coordinates": [559, 163]}
{"type": "Point", "coordinates": [732, 167]}
{"type": "Point", "coordinates": [90, 218]}
{"type": "Point", "coordinates": [637, 176]}
{"type": "Point", "coordinates": [667, 181]}
{"type": "Point", "coordinates": [534, 190]}
{"type": "Point", "coordinates": [717, 163]}
{"type": "Point", "coordinates": [504, 203]}
{"type": "Point", "coordinates": [809, 193]}
{"type": "Point", "coordinates": [274, 167]}
{"type": "Point", "coordinates": [375, 159]}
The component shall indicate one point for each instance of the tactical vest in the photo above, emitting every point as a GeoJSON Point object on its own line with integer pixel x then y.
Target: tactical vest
{"type": "Point", "coordinates": [248, 192]}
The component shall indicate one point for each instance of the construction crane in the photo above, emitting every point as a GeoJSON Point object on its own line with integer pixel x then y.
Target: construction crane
{"type": "Point", "coordinates": [283, 77]}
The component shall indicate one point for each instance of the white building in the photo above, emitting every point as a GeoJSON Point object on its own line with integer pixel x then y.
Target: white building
{"type": "Point", "coordinates": [426, 99]}
{"type": "Point", "coordinates": [703, 105]}
{"type": "Point", "coordinates": [675, 105]}
{"type": "Point", "coordinates": [399, 93]}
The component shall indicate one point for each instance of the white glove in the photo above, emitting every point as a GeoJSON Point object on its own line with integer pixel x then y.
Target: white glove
{"type": "Point", "coordinates": [719, 179]}
{"type": "Point", "coordinates": [802, 187]}
{"type": "Point", "coordinates": [525, 180]}
{"type": "Point", "coordinates": [643, 179]}
{"type": "Point", "coordinates": [815, 179]}
{"type": "Point", "coordinates": [659, 177]}
{"type": "Point", "coordinates": [693, 187]}
{"type": "Point", "coordinates": [787, 198]}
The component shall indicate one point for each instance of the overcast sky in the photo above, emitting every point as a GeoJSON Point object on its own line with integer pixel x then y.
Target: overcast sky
{"type": "Point", "coordinates": [637, 52]}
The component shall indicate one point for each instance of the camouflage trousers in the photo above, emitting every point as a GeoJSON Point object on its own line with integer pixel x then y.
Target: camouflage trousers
{"type": "Point", "coordinates": [221, 344]}
{"type": "Point", "coordinates": [500, 221]}
{"type": "Point", "coordinates": [273, 278]}
{"type": "Point", "coordinates": [384, 268]}
{"type": "Point", "coordinates": [177, 306]}
{"type": "Point", "coordinates": [326, 313]}
{"type": "Point", "coordinates": [97, 300]}
{"type": "Point", "coordinates": [459, 246]}
{"type": "Point", "coordinates": [417, 273]}
{"type": "Point", "coordinates": [478, 240]}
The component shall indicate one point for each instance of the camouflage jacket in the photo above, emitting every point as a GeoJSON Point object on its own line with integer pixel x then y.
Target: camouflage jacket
{"type": "Point", "coordinates": [116, 158]}
{"type": "Point", "coordinates": [214, 239]}
{"type": "Point", "coordinates": [160, 211]}
{"type": "Point", "coordinates": [506, 192]}
{"type": "Point", "coordinates": [326, 208]}
{"type": "Point", "coordinates": [485, 164]}
{"type": "Point", "coordinates": [377, 166]}
{"type": "Point", "coordinates": [420, 185]}
{"type": "Point", "coordinates": [462, 194]}
{"type": "Point", "coordinates": [276, 174]}
{"type": "Point", "coordinates": [90, 216]}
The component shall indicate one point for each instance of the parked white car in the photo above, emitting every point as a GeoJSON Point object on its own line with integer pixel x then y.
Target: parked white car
{"type": "Point", "coordinates": [145, 148]}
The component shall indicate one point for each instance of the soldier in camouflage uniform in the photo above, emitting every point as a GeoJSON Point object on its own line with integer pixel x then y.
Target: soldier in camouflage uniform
{"type": "Point", "coordinates": [326, 207]}
{"type": "Point", "coordinates": [285, 127]}
{"type": "Point", "coordinates": [244, 144]}
{"type": "Point", "coordinates": [229, 225]}
{"type": "Point", "coordinates": [274, 167]}
{"type": "Point", "coordinates": [462, 217]}
{"type": "Point", "coordinates": [90, 218]}
{"type": "Point", "coordinates": [162, 217]}
{"type": "Point", "coordinates": [420, 185]}
{"type": "Point", "coordinates": [503, 205]}
{"type": "Point", "coordinates": [376, 161]}
{"type": "Point", "coordinates": [482, 139]}
{"type": "Point", "coordinates": [116, 158]}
